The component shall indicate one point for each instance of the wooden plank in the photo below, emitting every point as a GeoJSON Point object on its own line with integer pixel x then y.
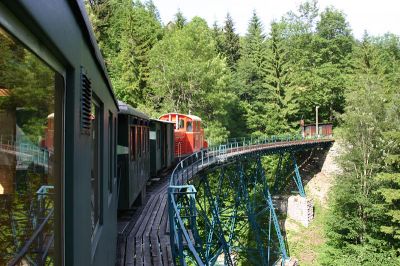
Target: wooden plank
{"type": "Point", "coordinates": [169, 254]}
{"type": "Point", "coordinates": [167, 228]}
{"type": "Point", "coordinates": [164, 252]}
{"type": "Point", "coordinates": [163, 226]}
{"type": "Point", "coordinates": [146, 234]}
{"type": "Point", "coordinates": [132, 247]}
{"type": "Point", "coordinates": [139, 235]}
{"type": "Point", "coordinates": [155, 250]}
{"type": "Point", "coordinates": [138, 251]}
{"type": "Point", "coordinates": [160, 214]}
{"type": "Point", "coordinates": [121, 245]}
{"type": "Point", "coordinates": [155, 245]}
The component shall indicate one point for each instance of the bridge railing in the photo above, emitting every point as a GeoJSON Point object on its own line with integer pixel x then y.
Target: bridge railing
{"type": "Point", "coordinates": [186, 169]}
{"type": "Point", "coordinates": [38, 247]}
{"type": "Point", "coordinates": [26, 152]}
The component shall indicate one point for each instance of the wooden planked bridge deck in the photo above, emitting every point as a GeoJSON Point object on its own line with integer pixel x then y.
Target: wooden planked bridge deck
{"type": "Point", "coordinates": [143, 235]}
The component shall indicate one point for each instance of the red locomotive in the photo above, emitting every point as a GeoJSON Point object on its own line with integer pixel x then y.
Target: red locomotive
{"type": "Point", "coordinates": [189, 135]}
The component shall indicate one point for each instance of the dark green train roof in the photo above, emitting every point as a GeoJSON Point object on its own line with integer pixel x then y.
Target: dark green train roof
{"type": "Point", "coordinates": [126, 109]}
{"type": "Point", "coordinates": [161, 121]}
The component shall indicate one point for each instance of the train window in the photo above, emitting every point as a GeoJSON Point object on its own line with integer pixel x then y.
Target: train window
{"type": "Point", "coordinates": [189, 127]}
{"type": "Point", "coordinates": [115, 145]}
{"type": "Point", "coordinates": [95, 180]}
{"type": "Point", "coordinates": [30, 152]}
{"type": "Point", "coordinates": [158, 139]}
{"type": "Point", "coordinates": [147, 140]}
{"type": "Point", "coordinates": [181, 123]}
{"type": "Point", "coordinates": [133, 143]}
{"type": "Point", "coordinates": [139, 141]}
{"type": "Point", "coordinates": [111, 151]}
{"type": "Point", "coordinates": [144, 140]}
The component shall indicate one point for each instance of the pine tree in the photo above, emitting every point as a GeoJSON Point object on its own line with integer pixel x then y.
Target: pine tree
{"type": "Point", "coordinates": [278, 79]}
{"type": "Point", "coordinates": [262, 112]}
{"type": "Point", "coordinates": [230, 43]}
{"type": "Point", "coordinates": [333, 44]}
{"type": "Point", "coordinates": [180, 20]}
{"type": "Point", "coordinates": [251, 70]}
{"type": "Point", "coordinates": [218, 38]}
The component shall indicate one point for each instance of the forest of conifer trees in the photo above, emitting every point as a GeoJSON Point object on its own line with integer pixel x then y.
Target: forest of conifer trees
{"type": "Point", "coordinates": [265, 83]}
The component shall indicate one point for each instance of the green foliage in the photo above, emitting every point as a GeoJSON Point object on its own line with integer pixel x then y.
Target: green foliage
{"type": "Point", "coordinates": [264, 83]}
{"type": "Point", "coordinates": [180, 20]}
{"type": "Point", "coordinates": [187, 75]}
{"type": "Point", "coordinates": [230, 43]}
{"type": "Point", "coordinates": [364, 227]}
{"type": "Point", "coordinates": [127, 31]}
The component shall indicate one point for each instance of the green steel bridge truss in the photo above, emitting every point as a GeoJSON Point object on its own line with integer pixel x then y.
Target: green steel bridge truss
{"type": "Point", "coordinates": [222, 193]}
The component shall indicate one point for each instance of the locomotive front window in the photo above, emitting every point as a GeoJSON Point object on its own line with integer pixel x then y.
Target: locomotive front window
{"type": "Point", "coordinates": [30, 154]}
{"type": "Point", "coordinates": [181, 123]}
{"type": "Point", "coordinates": [189, 127]}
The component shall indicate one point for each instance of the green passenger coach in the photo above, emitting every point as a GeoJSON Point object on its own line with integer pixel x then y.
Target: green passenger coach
{"type": "Point", "coordinates": [58, 127]}
{"type": "Point", "coordinates": [133, 155]}
{"type": "Point", "coordinates": [162, 148]}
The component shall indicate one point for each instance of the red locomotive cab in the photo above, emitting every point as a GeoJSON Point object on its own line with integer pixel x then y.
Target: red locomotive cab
{"type": "Point", "coordinates": [189, 135]}
{"type": "Point", "coordinates": [49, 133]}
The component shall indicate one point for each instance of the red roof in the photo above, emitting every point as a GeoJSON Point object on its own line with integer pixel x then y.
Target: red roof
{"type": "Point", "coordinates": [192, 117]}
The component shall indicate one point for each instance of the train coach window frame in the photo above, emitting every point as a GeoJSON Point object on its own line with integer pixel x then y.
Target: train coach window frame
{"type": "Point", "coordinates": [132, 144]}
{"type": "Point", "coordinates": [111, 152]}
{"type": "Point", "coordinates": [98, 182]}
{"type": "Point", "coordinates": [148, 140]}
{"type": "Point", "coordinates": [158, 139]}
{"type": "Point", "coordinates": [144, 141]}
{"type": "Point", "coordinates": [17, 31]}
{"type": "Point", "coordinates": [139, 142]}
{"type": "Point", "coordinates": [115, 151]}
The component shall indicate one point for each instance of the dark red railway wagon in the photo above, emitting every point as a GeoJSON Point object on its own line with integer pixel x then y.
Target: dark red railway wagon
{"type": "Point", "coordinates": [324, 129]}
{"type": "Point", "coordinates": [189, 135]}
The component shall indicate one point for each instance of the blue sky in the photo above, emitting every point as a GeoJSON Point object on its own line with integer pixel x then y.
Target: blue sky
{"type": "Point", "coordinates": [377, 17]}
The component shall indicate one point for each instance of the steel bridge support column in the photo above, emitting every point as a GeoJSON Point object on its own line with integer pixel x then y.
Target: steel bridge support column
{"type": "Point", "coordinates": [250, 212]}
{"type": "Point", "coordinates": [215, 214]}
{"type": "Point", "coordinates": [297, 177]}
{"type": "Point", "coordinates": [268, 198]}
{"type": "Point", "coordinates": [213, 221]}
{"type": "Point", "coordinates": [278, 173]}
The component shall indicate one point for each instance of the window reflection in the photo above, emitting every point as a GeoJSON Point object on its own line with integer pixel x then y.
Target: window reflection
{"type": "Point", "coordinates": [27, 154]}
{"type": "Point", "coordinates": [181, 123]}
{"type": "Point", "coordinates": [95, 173]}
{"type": "Point", "coordinates": [189, 127]}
